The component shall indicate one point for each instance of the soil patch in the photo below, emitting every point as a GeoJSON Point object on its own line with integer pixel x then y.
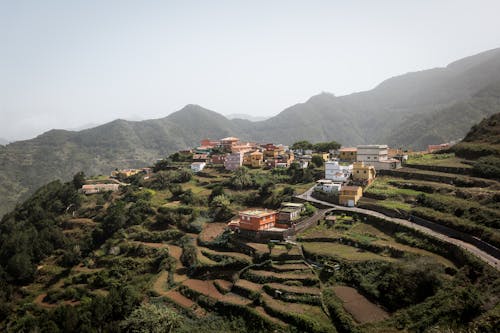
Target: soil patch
{"type": "Point", "coordinates": [362, 310]}
{"type": "Point", "coordinates": [211, 231]}
{"type": "Point", "coordinates": [295, 289]}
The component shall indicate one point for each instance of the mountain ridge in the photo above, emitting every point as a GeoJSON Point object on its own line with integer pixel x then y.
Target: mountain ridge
{"type": "Point", "coordinates": [399, 111]}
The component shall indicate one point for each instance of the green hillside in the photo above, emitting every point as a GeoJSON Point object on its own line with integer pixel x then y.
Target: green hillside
{"type": "Point", "coordinates": [155, 257]}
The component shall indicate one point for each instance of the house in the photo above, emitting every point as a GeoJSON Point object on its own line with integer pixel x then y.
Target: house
{"type": "Point", "coordinates": [303, 164]}
{"type": "Point", "coordinates": [348, 154]}
{"type": "Point", "coordinates": [288, 213]}
{"type": "Point", "coordinates": [243, 147]}
{"type": "Point", "coordinates": [254, 220]}
{"type": "Point", "coordinates": [201, 158]}
{"type": "Point", "coordinates": [324, 156]}
{"type": "Point", "coordinates": [247, 160]}
{"type": "Point", "coordinates": [336, 172]}
{"type": "Point", "coordinates": [377, 156]}
{"type": "Point", "coordinates": [209, 143]}
{"type": "Point", "coordinates": [218, 159]}
{"type": "Point", "coordinates": [125, 173]}
{"type": "Point", "coordinates": [198, 166]}
{"type": "Point", "coordinates": [350, 195]}
{"type": "Point", "coordinates": [99, 188]}
{"type": "Point", "coordinates": [233, 161]}
{"type": "Point", "coordinates": [271, 151]}
{"type": "Point", "coordinates": [363, 174]}
{"type": "Point", "coordinates": [228, 142]}
{"type": "Point", "coordinates": [435, 148]}
{"type": "Point", "coordinates": [256, 159]}
{"type": "Point", "coordinates": [327, 185]}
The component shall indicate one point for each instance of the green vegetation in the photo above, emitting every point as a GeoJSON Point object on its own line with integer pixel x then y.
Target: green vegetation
{"type": "Point", "coordinates": [444, 160]}
{"type": "Point", "coordinates": [323, 147]}
{"type": "Point", "coordinates": [154, 256]}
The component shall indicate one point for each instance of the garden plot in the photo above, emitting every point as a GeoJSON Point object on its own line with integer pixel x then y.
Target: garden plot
{"type": "Point", "coordinates": [207, 288]}
{"type": "Point", "coordinates": [341, 251]}
{"type": "Point", "coordinates": [211, 231]}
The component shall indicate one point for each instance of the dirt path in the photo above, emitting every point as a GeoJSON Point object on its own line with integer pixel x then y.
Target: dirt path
{"type": "Point", "coordinates": [39, 301]}
{"type": "Point", "coordinates": [362, 310]}
{"type": "Point", "coordinates": [489, 259]}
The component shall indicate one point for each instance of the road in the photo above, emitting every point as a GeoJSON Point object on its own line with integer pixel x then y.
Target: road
{"type": "Point", "coordinates": [492, 261]}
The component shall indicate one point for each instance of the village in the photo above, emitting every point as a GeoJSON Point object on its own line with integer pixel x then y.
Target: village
{"type": "Point", "coordinates": [348, 171]}
{"type": "Point", "coordinates": [281, 234]}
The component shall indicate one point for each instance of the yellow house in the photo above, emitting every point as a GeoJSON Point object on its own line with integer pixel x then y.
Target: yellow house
{"type": "Point", "coordinates": [324, 156]}
{"type": "Point", "coordinates": [348, 154]}
{"type": "Point", "coordinates": [247, 159]}
{"type": "Point", "coordinates": [256, 159]}
{"type": "Point", "coordinates": [363, 173]}
{"type": "Point", "coordinates": [349, 195]}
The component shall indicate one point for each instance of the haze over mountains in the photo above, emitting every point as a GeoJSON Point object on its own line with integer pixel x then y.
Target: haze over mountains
{"type": "Point", "coordinates": [411, 110]}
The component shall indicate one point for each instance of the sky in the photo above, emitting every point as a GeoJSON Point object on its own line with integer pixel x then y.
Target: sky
{"type": "Point", "coordinates": [70, 63]}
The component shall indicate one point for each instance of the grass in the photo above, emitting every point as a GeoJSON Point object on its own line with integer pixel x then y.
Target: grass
{"type": "Point", "coordinates": [342, 251]}
{"type": "Point", "coordinates": [442, 160]}
{"type": "Point", "coordinates": [396, 205]}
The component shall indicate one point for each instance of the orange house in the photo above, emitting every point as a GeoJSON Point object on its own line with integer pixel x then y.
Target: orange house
{"type": "Point", "coordinates": [255, 220]}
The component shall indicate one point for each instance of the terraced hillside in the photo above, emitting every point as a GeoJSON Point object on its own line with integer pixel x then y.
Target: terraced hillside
{"type": "Point", "coordinates": [158, 250]}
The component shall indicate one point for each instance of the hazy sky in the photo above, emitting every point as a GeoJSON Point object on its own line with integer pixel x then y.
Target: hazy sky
{"type": "Point", "coordinates": [67, 63]}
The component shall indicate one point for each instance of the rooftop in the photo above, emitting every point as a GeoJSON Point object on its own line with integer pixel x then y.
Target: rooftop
{"type": "Point", "coordinates": [348, 149]}
{"type": "Point", "coordinates": [373, 147]}
{"type": "Point", "coordinates": [292, 204]}
{"type": "Point", "coordinates": [350, 188]}
{"type": "Point", "coordinates": [230, 138]}
{"type": "Point", "coordinates": [257, 212]}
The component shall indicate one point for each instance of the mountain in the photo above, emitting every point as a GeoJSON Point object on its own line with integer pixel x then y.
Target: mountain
{"type": "Point", "coordinates": [245, 117]}
{"type": "Point", "coordinates": [414, 109]}
{"type": "Point", "coordinates": [483, 140]}
{"type": "Point", "coordinates": [3, 142]}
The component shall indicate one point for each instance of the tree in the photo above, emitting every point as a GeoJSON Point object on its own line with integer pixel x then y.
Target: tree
{"type": "Point", "coordinates": [21, 268]}
{"type": "Point", "coordinates": [161, 180]}
{"type": "Point", "coordinates": [162, 165]}
{"type": "Point", "coordinates": [302, 145]}
{"type": "Point", "coordinates": [78, 180]}
{"type": "Point", "coordinates": [189, 256]}
{"type": "Point", "coordinates": [151, 318]}
{"type": "Point", "coordinates": [241, 179]}
{"type": "Point", "coordinates": [220, 208]}
{"type": "Point", "coordinates": [317, 160]}
{"type": "Point", "coordinates": [216, 191]}
{"type": "Point", "coordinates": [115, 219]}
{"type": "Point", "coordinates": [187, 197]}
{"type": "Point", "coordinates": [309, 210]}
{"type": "Point", "coordinates": [270, 246]}
{"type": "Point", "coordinates": [325, 147]}
{"type": "Point", "coordinates": [183, 175]}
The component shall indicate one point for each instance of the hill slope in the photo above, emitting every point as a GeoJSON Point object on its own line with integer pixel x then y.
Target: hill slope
{"type": "Point", "coordinates": [413, 109]}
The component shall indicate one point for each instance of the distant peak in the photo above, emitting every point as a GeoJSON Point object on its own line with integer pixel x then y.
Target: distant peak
{"type": "Point", "coordinates": [191, 107]}
{"type": "Point", "coordinates": [323, 96]}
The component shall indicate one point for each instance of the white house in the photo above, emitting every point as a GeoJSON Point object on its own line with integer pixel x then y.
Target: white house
{"type": "Point", "coordinates": [198, 166]}
{"type": "Point", "coordinates": [328, 185]}
{"type": "Point", "coordinates": [377, 156]}
{"type": "Point", "coordinates": [336, 172]}
{"type": "Point", "coordinates": [233, 161]}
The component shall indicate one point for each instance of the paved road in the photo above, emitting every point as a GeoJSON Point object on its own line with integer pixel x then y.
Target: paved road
{"type": "Point", "coordinates": [494, 262]}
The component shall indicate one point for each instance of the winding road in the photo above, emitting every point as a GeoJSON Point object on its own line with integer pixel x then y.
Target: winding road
{"type": "Point", "coordinates": [489, 259]}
